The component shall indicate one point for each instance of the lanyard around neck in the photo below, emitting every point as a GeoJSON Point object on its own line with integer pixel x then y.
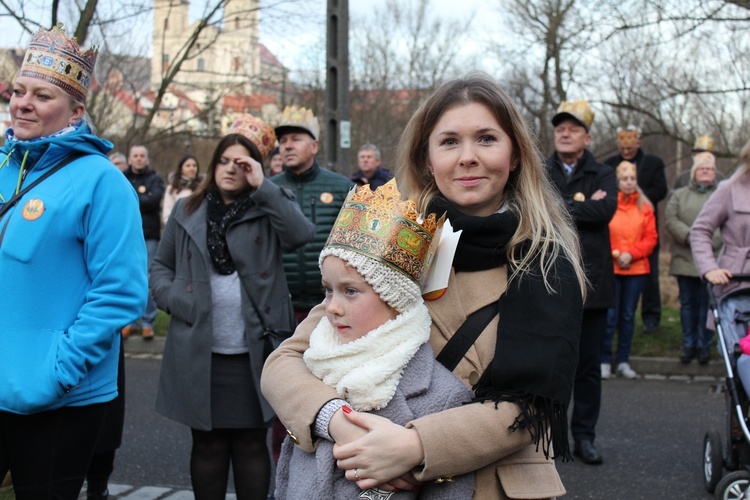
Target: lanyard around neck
{"type": "Point", "coordinates": [21, 173]}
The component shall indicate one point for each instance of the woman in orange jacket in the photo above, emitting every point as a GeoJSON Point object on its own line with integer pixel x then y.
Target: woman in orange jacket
{"type": "Point", "coordinates": [632, 233]}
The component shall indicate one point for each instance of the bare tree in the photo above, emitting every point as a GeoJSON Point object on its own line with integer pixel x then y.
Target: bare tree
{"type": "Point", "coordinates": [397, 61]}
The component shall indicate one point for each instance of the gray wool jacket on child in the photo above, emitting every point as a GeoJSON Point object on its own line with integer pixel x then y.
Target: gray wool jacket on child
{"type": "Point", "coordinates": [425, 387]}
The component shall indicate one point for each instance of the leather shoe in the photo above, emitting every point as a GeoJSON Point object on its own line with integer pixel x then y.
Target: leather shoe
{"type": "Point", "coordinates": [588, 454]}
{"type": "Point", "coordinates": [650, 327]}
{"type": "Point", "coordinates": [704, 355]}
{"type": "Point", "coordinates": [688, 353]}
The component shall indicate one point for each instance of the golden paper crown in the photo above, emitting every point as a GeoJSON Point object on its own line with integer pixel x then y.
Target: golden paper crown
{"type": "Point", "coordinates": [299, 118]}
{"type": "Point", "coordinates": [578, 110]}
{"type": "Point", "coordinates": [257, 131]}
{"type": "Point", "coordinates": [54, 57]}
{"type": "Point", "coordinates": [379, 225]}
{"type": "Point", "coordinates": [628, 137]}
{"type": "Point", "coordinates": [703, 143]}
{"type": "Point", "coordinates": [625, 168]}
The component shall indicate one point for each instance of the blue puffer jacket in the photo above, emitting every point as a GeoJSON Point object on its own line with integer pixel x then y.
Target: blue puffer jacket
{"type": "Point", "coordinates": [73, 271]}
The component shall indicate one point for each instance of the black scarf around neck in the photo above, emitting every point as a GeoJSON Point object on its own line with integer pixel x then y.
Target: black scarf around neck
{"type": "Point", "coordinates": [536, 351]}
{"type": "Point", "coordinates": [220, 215]}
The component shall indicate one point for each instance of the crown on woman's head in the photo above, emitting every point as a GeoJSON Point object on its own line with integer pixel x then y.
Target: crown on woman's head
{"type": "Point", "coordinates": [55, 58]}
{"type": "Point", "coordinates": [379, 225]}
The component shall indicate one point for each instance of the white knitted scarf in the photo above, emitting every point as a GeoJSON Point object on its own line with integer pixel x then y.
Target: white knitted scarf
{"type": "Point", "coordinates": [366, 371]}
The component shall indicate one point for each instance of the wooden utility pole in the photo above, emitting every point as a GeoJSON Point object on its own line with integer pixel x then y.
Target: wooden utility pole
{"type": "Point", "coordinates": [337, 122]}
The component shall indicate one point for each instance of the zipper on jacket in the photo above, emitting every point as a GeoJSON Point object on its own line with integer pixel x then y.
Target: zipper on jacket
{"type": "Point", "coordinates": [313, 206]}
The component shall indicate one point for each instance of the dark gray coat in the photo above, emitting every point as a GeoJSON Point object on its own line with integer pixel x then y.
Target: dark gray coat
{"type": "Point", "coordinates": [180, 283]}
{"type": "Point", "coordinates": [426, 387]}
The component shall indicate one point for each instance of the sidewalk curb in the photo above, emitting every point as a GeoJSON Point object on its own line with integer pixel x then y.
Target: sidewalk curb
{"type": "Point", "coordinates": [135, 346]}
{"type": "Point", "coordinates": [666, 367]}
{"type": "Point", "coordinates": [672, 367]}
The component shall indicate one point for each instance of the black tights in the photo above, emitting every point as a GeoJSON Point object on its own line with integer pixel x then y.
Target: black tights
{"type": "Point", "coordinates": [248, 453]}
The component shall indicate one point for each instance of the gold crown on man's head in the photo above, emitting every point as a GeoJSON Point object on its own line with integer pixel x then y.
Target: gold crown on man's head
{"type": "Point", "coordinates": [379, 225]}
{"type": "Point", "coordinates": [580, 111]}
{"type": "Point", "coordinates": [628, 137]}
{"type": "Point", "coordinates": [55, 58]}
{"type": "Point", "coordinates": [703, 143]}
{"type": "Point", "coordinates": [298, 118]}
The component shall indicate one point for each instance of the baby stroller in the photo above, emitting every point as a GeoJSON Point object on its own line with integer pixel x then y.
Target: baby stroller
{"type": "Point", "coordinates": [731, 317]}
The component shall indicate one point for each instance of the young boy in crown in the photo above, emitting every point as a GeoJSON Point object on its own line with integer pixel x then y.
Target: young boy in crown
{"type": "Point", "coordinates": [372, 344]}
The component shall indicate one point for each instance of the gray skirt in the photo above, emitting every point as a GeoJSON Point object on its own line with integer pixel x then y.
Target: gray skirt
{"type": "Point", "coordinates": [235, 402]}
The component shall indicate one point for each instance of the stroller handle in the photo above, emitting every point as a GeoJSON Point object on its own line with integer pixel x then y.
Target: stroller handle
{"type": "Point", "coordinates": [735, 277]}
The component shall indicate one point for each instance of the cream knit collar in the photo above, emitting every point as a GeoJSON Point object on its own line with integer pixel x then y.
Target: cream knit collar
{"type": "Point", "coordinates": [367, 371]}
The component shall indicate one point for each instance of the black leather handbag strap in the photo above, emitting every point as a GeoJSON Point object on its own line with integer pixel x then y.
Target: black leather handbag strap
{"type": "Point", "coordinates": [14, 200]}
{"type": "Point", "coordinates": [466, 335]}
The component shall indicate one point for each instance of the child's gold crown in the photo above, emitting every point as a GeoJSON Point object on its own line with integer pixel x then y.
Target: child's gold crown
{"type": "Point", "coordinates": [379, 225]}
{"type": "Point", "coordinates": [55, 58]}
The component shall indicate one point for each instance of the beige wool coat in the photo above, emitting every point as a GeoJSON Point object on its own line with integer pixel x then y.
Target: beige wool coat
{"type": "Point", "coordinates": [473, 437]}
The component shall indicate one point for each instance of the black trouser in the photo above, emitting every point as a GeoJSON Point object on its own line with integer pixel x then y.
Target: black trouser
{"type": "Point", "coordinates": [587, 389]}
{"type": "Point", "coordinates": [48, 453]}
{"type": "Point", "coordinates": [651, 298]}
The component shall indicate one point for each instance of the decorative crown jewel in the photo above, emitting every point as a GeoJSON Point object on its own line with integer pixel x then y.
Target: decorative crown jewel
{"type": "Point", "coordinates": [703, 143]}
{"type": "Point", "coordinates": [294, 117]}
{"type": "Point", "coordinates": [259, 133]}
{"type": "Point", "coordinates": [628, 137]}
{"type": "Point", "coordinates": [54, 57]}
{"type": "Point", "coordinates": [379, 225]}
{"type": "Point", "coordinates": [579, 110]}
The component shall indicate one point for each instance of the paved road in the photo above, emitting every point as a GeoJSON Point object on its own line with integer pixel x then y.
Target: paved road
{"type": "Point", "coordinates": [650, 433]}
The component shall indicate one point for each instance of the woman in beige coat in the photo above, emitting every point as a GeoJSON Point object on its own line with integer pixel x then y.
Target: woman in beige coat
{"type": "Point", "coordinates": [467, 152]}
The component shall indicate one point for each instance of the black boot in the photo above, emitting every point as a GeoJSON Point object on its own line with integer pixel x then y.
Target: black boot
{"type": "Point", "coordinates": [687, 354]}
{"type": "Point", "coordinates": [97, 491]}
{"type": "Point", "coordinates": [704, 355]}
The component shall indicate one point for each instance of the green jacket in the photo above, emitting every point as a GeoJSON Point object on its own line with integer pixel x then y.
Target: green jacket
{"type": "Point", "coordinates": [683, 207]}
{"type": "Point", "coordinates": [320, 194]}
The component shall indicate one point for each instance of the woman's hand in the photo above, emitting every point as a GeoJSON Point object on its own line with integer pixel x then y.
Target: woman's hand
{"type": "Point", "coordinates": [718, 276]}
{"type": "Point", "coordinates": [252, 170]}
{"type": "Point", "coordinates": [385, 455]}
{"type": "Point", "coordinates": [624, 260]}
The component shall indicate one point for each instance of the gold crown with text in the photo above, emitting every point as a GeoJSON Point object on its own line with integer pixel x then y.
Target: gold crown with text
{"type": "Point", "coordinates": [382, 226]}
{"type": "Point", "coordinates": [54, 57]}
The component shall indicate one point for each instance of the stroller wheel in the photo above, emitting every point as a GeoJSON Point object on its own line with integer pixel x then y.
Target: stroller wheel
{"type": "Point", "coordinates": [733, 486]}
{"type": "Point", "coordinates": [712, 460]}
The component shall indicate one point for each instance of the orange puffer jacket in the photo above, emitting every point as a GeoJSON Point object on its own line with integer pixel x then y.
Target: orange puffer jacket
{"type": "Point", "coordinates": [633, 230]}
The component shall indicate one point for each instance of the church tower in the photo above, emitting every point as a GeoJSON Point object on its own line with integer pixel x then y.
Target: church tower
{"type": "Point", "coordinates": [225, 58]}
{"type": "Point", "coordinates": [170, 26]}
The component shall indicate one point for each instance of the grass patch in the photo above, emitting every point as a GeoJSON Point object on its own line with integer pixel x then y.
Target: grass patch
{"type": "Point", "coordinates": [7, 494]}
{"type": "Point", "coordinates": [666, 342]}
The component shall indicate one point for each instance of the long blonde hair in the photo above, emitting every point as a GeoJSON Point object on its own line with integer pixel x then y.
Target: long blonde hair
{"type": "Point", "coordinates": [744, 167]}
{"type": "Point", "coordinates": [544, 222]}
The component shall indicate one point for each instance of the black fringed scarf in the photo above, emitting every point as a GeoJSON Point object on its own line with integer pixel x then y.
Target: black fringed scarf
{"type": "Point", "coordinates": [536, 351]}
{"type": "Point", "coordinates": [220, 215]}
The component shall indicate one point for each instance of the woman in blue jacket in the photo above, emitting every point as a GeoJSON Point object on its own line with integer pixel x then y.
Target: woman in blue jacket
{"type": "Point", "coordinates": [73, 268]}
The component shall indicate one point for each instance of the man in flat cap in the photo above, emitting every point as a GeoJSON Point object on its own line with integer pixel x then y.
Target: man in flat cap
{"type": "Point", "coordinates": [590, 192]}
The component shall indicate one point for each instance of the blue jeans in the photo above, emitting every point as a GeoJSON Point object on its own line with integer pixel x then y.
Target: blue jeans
{"type": "Point", "coordinates": [694, 312]}
{"type": "Point", "coordinates": [150, 314]}
{"type": "Point", "coordinates": [627, 292]}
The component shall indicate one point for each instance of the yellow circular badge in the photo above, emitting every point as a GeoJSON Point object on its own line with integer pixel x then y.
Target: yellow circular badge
{"type": "Point", "coordinates": [326, 198]}
{"type": "Point", "coordinates": [141, 189]}
{"type": "Point", "coordinates": [579, 197]}
{"type": "Point", "coordinates": [33, 209]}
